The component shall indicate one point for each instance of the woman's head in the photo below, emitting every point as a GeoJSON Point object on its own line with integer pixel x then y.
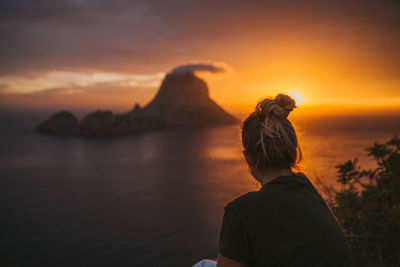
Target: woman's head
{"type": "Point", "coordinates": [268, 137]}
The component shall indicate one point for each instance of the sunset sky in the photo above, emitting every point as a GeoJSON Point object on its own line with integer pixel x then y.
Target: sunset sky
{"type": "Point", "coordinates": [111, 54]}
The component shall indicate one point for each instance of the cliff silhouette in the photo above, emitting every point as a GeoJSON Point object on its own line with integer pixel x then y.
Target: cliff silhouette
{"type": "Point", "coordinates": [182, 101]}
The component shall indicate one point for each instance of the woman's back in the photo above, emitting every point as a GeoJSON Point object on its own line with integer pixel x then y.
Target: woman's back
{"type": "Point", "coordinates": [285, 223]}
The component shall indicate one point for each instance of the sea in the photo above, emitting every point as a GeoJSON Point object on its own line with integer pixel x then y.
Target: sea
{"type": "Point", "coordinates": [151, 199]}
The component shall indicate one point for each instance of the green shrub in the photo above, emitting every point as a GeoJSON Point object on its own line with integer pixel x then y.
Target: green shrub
{"type": "Point", "coordinates": [367, 205]}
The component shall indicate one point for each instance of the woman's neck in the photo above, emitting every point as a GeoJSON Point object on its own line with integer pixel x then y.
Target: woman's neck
{"type": "Point", "coordinates": [267, 176]}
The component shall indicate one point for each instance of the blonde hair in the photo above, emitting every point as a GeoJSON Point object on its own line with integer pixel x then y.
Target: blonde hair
{"type": "Point", "coordinates": [268, 137]}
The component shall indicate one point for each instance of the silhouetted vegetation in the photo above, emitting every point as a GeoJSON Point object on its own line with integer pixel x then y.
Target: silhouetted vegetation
{"type": "Point", "coordinates": [368, 206]}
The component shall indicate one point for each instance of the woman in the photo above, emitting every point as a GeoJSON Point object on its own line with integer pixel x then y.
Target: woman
{"type": "Point", "coordinates": [286, 222]}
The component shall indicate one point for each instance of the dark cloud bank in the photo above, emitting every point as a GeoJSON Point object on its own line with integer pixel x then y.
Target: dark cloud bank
{"type": "Point", "coordinates": [140, 35]}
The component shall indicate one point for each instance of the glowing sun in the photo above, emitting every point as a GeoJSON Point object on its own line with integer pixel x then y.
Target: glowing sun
{"type": "Point", "coordinates": [296, 96]}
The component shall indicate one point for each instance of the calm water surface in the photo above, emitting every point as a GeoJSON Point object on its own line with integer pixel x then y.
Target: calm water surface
{"type": "Point", "coordinates": [154, 199]}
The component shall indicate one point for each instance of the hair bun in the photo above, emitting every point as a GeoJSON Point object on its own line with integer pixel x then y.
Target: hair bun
{"type": "Point", "coordinates": [286, 102]}
{"type": "Point", "coordinates": [280, 107]}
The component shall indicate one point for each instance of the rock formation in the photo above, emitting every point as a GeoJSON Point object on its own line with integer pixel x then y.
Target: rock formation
{"type": "Point", "coordinates": [182, 100]}
{"type": "Point", "coordinates": [61, 123]}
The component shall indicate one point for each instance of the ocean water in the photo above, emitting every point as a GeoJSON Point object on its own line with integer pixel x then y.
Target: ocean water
{"type": "Point", "coordinates": [154, 199]}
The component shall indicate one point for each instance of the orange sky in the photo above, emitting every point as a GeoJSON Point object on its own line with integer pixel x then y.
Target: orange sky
{"type": "Point", "coordinates": [332, 56]}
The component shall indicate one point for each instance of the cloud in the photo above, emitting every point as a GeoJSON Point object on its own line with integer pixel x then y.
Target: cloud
{"type": "Point", "coordinates": [110, 35]}
{"type": "Point", "coordinates": [68, 79]}
{"type": "Point", "coordinates": [115, 95]}
{"type": "Point", "coordinates": [214, 67]}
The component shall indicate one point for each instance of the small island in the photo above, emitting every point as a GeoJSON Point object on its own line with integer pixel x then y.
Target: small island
{"type": "Point", "coordinates": [182, 100]}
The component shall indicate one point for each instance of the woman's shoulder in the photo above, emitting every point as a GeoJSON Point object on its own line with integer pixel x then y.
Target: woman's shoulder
{"type": "Point", "coordinates": [241, 203]}
{"type": "Point", "coordinates": [267, 194]}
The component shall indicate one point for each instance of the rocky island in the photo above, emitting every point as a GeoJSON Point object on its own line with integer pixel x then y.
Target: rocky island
{"type": "Point", "coordinates": [182, 100]}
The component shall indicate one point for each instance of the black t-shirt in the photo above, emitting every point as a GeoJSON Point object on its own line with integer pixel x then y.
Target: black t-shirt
{"type": "Point", "coordinates": [285, 223]}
